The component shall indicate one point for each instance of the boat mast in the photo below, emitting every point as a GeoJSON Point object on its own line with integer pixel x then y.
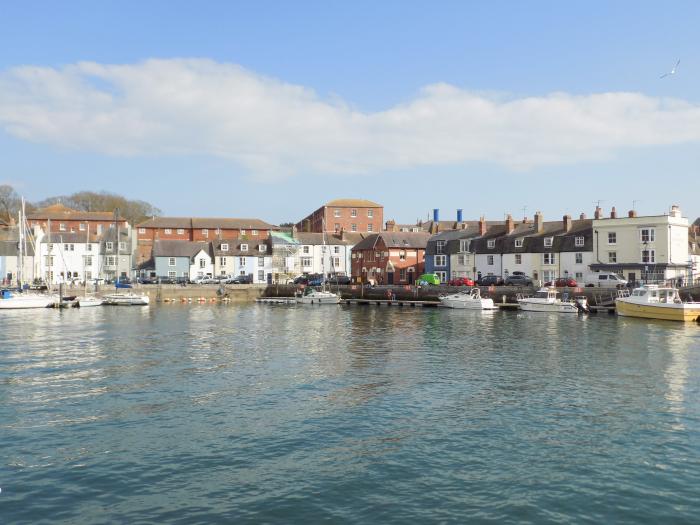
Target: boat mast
{"type": "Point", "coordinates": [116, 223]}
{"type": "Point", "coordinates": [20, 258]}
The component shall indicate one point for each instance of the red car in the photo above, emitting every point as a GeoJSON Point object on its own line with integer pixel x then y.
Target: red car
{"type": "Point", "coordinates": [563, 282]}
{"type": "Point", "coordinates": [461, 281]}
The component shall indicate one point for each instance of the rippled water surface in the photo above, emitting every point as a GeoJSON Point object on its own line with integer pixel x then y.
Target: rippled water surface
{"type": "Point", "coordinates": [255, 413]}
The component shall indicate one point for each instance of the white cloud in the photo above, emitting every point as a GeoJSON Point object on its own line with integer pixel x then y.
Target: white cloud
{"type": "Point", "coordinates": [181, 107]}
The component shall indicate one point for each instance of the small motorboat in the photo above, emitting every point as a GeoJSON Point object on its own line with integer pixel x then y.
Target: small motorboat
{"type": "Point", "coordinates": [546, 300]}
{"type": "Point", "coordinates": [651, 301]}
{"type": "Point", "coordinates": [471, 300]}
{"type": "Point", "coordinates": [126, 299]}
{"type": "Point", "coordinates": [313, 296]}
{"type": "Point", "coordinates": [89, 301]}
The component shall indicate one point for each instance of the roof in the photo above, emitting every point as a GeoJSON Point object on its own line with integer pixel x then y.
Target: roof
{"type": "Point", "coordinates": [280, 237]}
{"type": "Point", "coordinates": [206, 222]}
{"type": "Point", "coordinates": [395, 240]}
{"type": "Point", "coordinates": [234, 248]}
{"type": "Point", "coordinates": [317, 239]}
{"type": "Point", "coordinates": [357, 203]}
{"type": "Point", "coordinates": [179, 248]}
{"type": "Point", "coordinates": [59, 212]}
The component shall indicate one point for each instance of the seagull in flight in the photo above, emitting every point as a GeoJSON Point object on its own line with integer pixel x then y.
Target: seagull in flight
{"type": "Point", "coordinates": [672, 72]}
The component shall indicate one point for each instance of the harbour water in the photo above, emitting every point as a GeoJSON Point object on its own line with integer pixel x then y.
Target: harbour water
{"type": "Point", "coordinates": [279, 414]}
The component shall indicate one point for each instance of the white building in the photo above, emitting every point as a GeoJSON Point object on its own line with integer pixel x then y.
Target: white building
{"type": "Point", "coordinates": [244, 257]}
{"type": "Point", "coordinates": [69, 258]}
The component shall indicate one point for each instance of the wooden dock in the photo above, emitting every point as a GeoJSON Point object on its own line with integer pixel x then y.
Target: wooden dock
{"type": "Point", "coordinates": [388, 302]}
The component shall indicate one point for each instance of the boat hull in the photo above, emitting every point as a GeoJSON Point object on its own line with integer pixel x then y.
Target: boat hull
{"type": "Point", "coordinates": [23, 302]}
{"type": "Point", "coordinates": [467, 303]}
{"type": "Point", "coordinates": [319, 298]}
{"type": "Point", "coordinates": [126, 300]}
{"type": "Point", "coordinates": [665, 312]}
{"type": "Point", "coordinates": [87, 302]}
{"type": "Point", "coordinates": [559, 308]}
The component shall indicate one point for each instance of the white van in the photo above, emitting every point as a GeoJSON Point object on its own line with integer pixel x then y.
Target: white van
{"type": "Point", "coordinates": [605, 280]}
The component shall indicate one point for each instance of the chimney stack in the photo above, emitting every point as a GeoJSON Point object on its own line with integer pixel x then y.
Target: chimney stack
{"type": "Point", "coordinates": [598, 212]}
{"type": "Point", "coordinates": [632, 214]}
{"type": "Point", "coordinates": [510, 226]}
{"type": "Point", "coordinates": [539, 223]}
{"type": "Point", "coordinates": [582, 216]}
{"type": "Point", "coordinates": [459, 215]}
{"type": "Point", "coordinates": [675, 211]}
{"type": "Point", "coordinates": [482, 225]}
{"type": "Point", "coordinates": [567, 222]}
{"type": "Point", "coordinates": [613, 213]}
{"type": "Point", "coordinates": [524, 220]}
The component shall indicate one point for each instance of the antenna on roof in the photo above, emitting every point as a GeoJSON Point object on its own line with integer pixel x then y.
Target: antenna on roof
{"type": "Point", "coordinates": [597, 203]}
{"type": "Point", "coordinates": [634, 204]}
{"type": "Point", "coordinates": [524, 211]}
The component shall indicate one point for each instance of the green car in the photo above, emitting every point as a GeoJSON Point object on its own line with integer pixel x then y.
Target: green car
{"type": "Point", "coordinates": [428, 278]}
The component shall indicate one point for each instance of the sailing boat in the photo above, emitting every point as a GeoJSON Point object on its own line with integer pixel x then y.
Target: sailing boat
{"type": "Point", "coordinates": [87, 300]}
{"type": "Point", "coordinates": [323, 296]}
{"type": "Point", "coordinates": [23, 299]}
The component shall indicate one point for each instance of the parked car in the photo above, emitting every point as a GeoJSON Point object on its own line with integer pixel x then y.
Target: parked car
{"type": "Point", "coordinates": [302, 279]}
{"type": "Point", "coordinates": [316, 280]}
{"type": "Point", "coordinates": [518, 279]}
{"type": "Point", "coordinates": [240, 279]}
{"type": "Point", "coordinates": [461, 281]}
{"type": "Point", "coordinates": [490, 280]}
{"type": "Point", "coordinates": [147, 280]}
{"type": "Point", "coordinates": [428, 278]}
{"type": "Point", "coordinates": [340, 279]}
{"type": "Point", "coordinates": [563, 282]}
{"type": "Point", "coordinates": [605, 280]}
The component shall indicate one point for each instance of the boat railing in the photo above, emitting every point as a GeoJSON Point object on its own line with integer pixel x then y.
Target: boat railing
{"type": "Point", "coordinates": [624, 292]}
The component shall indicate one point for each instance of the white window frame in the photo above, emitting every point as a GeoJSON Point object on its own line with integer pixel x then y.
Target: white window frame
{"type": "Point", "coordinates": [651, 257]}
{"type": "Point", "coordinates": [612, 257]}
{"type": "Point", "coordinates": [122, 246]}
{"type": "Point", "coordinates": [168, 231]}
{"type": "Point", "coordinates": [253, 232]}
{"type": "Point", "coordinates": [244, 247]}
{"type": "Point", "coordinates": [82, 227]}
{"type": "Point", "coordinates": [578, 258]}
{"type": "Point", "coordinates": [519, 242]}
{"type": "Point", "coordinates": [224, 247]}
{"type": "Point", "coordinates": [142, 230]}
{"type": "Point", "coordinates": [353, 227]}
{"type": "Point", "coordinates": [518, 258]}
{"type": "Point", "coordinates": [548, 242]}
{"type": "Point", "coordinates": [440, 260]}
{"type": "Point", "coordinates": [262, 248]}
{"type": "Point", "coordinates": [370, 227]}
{"type": "Point", "coordinates": [464, 245]}
{"type": "Point", "coordinates": [180, 231]}
{"type": "Point", "coordinates": [651, 235]}
{"type": "Point", "coordinates": [336, 213]}
{"type": "Point", "coordinates": [205, 232]}
{"type": "Point", "coordinates": [440, 246]}
{"type": "Point", "coordinates": [612, 238]}
{"type": "Point", "coordinates": [172, 261]}
{"type": "Point", "coordinates": [109, 246]}
{"type": "Point", "coordinates": [353, 213]}
{"type": "Point", "coordinates": [489, 260]}
{"type": "Point", "coordinates": [579, 241]}
{"type": "Point", "coordinates": [62, 227]}
{"type": "Point", "coordinates": [491, 243]}
{"type": "Point", "coordinates": [370, 214]}
{"type": "Point", "coordinates": [549, 259]}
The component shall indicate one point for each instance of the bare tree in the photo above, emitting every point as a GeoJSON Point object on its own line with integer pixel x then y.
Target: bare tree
{"type": "Point", "coordinates": [9, 202]}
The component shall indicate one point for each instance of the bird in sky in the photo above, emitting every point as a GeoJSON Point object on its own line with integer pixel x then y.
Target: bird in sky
{"type": "Point", "coordinates": [672, 72]}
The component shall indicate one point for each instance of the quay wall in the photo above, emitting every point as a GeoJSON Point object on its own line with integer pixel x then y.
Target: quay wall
{"type": "Point", "coordinates": [169, 292]}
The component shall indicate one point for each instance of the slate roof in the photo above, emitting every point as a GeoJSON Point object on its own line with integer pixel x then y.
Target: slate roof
{"type": "Point", "coordinates": [317, 239]}
{"type": "Point", "coordinates": [10, 248]}
{"type": "Point", "coordinates": [179, 248]}
{"type": "Point", "coordinates": [208, 223]}
{"type": "Point", "coordinates": [234, 248]}
{"type": "Point", "coordinates": [59, 212]}
{"type": "Point", "coordinates": [395, 240]}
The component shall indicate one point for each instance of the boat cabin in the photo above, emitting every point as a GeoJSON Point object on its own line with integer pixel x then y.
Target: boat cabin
{"type": "Point", "coordinates": [654, 294]}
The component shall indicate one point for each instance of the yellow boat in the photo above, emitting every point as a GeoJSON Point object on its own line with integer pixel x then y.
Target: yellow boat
{"type": "Point", "coordinates": [654, 302]}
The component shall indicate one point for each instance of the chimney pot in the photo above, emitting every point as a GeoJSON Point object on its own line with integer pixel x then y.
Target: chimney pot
{"type": "Point", "coordinates": [582, 216]}
{"type": "Point", "coordinates": [510, 225]}
{"type": "Point", "coordinates": [482, 225]}
{"type": "Point", "coordinates": [539, 225]}
{"type": "Point", "coordinates": [613, 213]}
{"type": "Point", "coordinates": [632, 213]}
{"type": "Point", "coordinates": [567, 222]}
{"type": "Point", "coordinates": [598, 212]}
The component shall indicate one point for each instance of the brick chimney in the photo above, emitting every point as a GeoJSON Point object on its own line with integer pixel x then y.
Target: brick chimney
{"type": "Point", "coordinates": [582, 216]}
{"type": "Point", "coordinates": [567, 222]}
{"type": "Point", "coordinates": [539, 222]}
{"type": "Point", "coordinates": [390, 225]}
{"type": "Point", "coordinates": [598, 212]}
{"type": "Point", "coordinates": [510, 225]}
{"type": "Point", "coordinates": [482, 225]}
{"type": "Point", "coordinates": [632, 214]}
{"type": "Point", "coordinates": [524, 220]}
{"type": "Point", "coordinates": [613, 213]}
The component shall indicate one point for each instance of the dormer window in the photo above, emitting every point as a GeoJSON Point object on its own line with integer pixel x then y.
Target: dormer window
{"type": "Point", "coordinates": [491, 243]}
{"type": "Point", "coordinates": [244, 247]}
{"type": "Point", "coordinates": [262, 248]}
{"type": "Point", "coordinates": [579, 241]}
{"type": "Point", "coordinates": [253, 232]}
{"type": "Point", "coordinates": [224, 247]}
{"type": "Point", "coordinates": [548, 242]}
{"type": "Point", "coordinates": [518, 243]}
{"type": "Point", "coordinates": [109, 246]}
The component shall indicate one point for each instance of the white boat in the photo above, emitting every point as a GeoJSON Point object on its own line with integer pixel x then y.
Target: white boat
{"type": "Point", "coordinates": [89, 300]}
{"type": "Point", "coordinates": [657, 302]}
{"type": "Point", "coordinates": [126, 299]}
{"type": "Point", "coordinates": [467, 299]}
{"type": "Point", "coordinates": [11, 301]}
{"type": "Point", "coordinates": [313, 296]}
{"type": "Point", "coordinates": [546, 300]}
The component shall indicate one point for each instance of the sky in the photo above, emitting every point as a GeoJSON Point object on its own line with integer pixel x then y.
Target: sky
{"type": "Point", "coordinates": [270, 109]}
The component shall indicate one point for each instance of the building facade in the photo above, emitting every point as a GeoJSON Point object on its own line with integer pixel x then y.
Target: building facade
{"type": "Point", "coordinates": [350, 215]}
{"type": "Point", "coordinates": [389, 258]}
{"type": "Point", "coordinates": [61, 219]}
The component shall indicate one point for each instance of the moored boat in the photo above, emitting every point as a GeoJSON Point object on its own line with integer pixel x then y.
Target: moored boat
{"type": "Point", "coordinates": [89, 301]}
{"type": "Point", "coordinates": [471, 300]}
{"type": "Point", "coordinates": [546, 300]}
{"type": "Point", "coordinates": [313, 296]}
{"type": "Point", "coordinates": [651, 301]}
{"type": "Point", "coordinates": [11, 301]}
{"type": "Point", "coordinates": [126, 299]}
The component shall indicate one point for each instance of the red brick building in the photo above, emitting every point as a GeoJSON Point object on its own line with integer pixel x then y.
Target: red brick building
{"type": "Point", "coordinates": [350, 215]}
{"type": "Point", "coordinates": [66, 220]}
{"type": "Point", "coordinates": [389, 258]}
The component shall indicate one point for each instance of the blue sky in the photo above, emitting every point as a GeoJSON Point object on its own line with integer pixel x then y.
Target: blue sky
{"type": "Point", "coordinates": [488, 106]}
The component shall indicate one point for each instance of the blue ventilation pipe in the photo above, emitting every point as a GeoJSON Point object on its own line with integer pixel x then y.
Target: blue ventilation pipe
{"type": "Point", "coordinates": [436, 214]}
{"type": "Point", "coordinates": [459, 215]}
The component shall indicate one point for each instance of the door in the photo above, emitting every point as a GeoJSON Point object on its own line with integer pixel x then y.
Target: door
{"type": "Point", "coordinates": [410, 277]}
{"type": "Point", "coordinates": [390, 277]}
{"type": "Point", "coordinates": [632, 277]}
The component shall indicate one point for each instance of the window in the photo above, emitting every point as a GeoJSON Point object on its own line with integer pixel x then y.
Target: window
{"type": "Point", "coordinates": [81, 226]}
{"type": "Point", "coordinates": [370, 227]}
{"type": "Point", "coordinates": [243, 232]}
{"type": "Point", "coordinates": [439, 246]}
{"type": "Point", "coordinates": [402, 274]}
{"type": "Point", "coordinates": [306, 262]}
{"type": "Point", "coordinates": [336, 213]}
{"type": "Point", "coordinates": [353, 227]}
{"type": "Point", "coordinates": [336, 249]}
{"type": "Point", "coordinates": [87, 260]}
{"type": "Point", "coordinates": [440, 260]}
{"type": "Point", "coordinates": [172, 274]}
{"type": "Point", "coordinates": [335, 261]}
{"type": "Point", "coordinates": [442, 276]}
{"type": "Point", "coordinates": [62, 227]}
{"type": "Point", "coordinates": [353, 213]}
{"type": "Point", "coordinates": [548, 242]}
{"type": "Point", "coordinates": [253, 232]}
{"type": "Point", "coordinates": [491, 243]}
{"type": "Point", "coordinates": [244, 247]}
{"type": "Point", "coordinates": [261, 275]}
{"type": "Point", "coordinates": [612, 238]}
{"type": "Point", "coordinates": [49, 260]}
{"type": "Point", "coordinates": [88, 247]}
{"type": "Point", "coordinates": [648, 256]}
{"type": "Point", "coordinates": [489, 260]}
{"type": "Point", "coordinates": [464, 245]}
{"type": "Point", "coordinates": [262, 248]}
{"type": "Point", "coordinates": [579, 258]}
{"type": "Point", "coordinates": [462, 259]}
{"type": "Point", "coordinates": [518, 243]}
{"type": "Point", "coordinates": [612, 257]}
{"type": "Point", "coordinates": [305, 249]}
{"type": "Point", "coordinates": [579, 241]}
{"type": "Point", "coordinates": [224, 247]}
{"type": "Point", "coordinates": [69, 247]}
{"type": "Point", "coordinates": [518, 258]}
{"type": "Point", "coordinates": [337, 226]}
{"type": "Point", "coordinates": [111, 260]}
{"type": "Point", "coordinates": [241, 261]}
{"type": "Point", "coordinates": [202, 263]}
{"type": "Point", "coordinates": [548, 258]}
{"type": "Point", "coordinates": [647, 234]}
{"type": "Point", "coordinates": [370, 214]}
{"type": "Point", "coordinates": [168, 231]}
{"type": "Point", "coordinates": [378, 255]}
{"type": "Point", "coordinates": [261, 261]}
{"type": "Point", "coordinates": [180, 231]}
{"type": "Point", "coordinates": [142, 230]}
{"type": "Point", "coordinates": [122, 246]}
{"type": "Point", "coordinates": [109, 246]}
{"type": "Point", "coordinates": [205, 232]}
{"type": "Point", "coordinates": [99, 229]}
{"type": "Point", "coordinates": [171, 261]}
{"type": "Point", "coordinates": [579, 276]}
{"type": "Point", "coordinates": [218, 231]}
{"type": "Point", "coordinates": [222, 261]}
{"type": "Point", "coordinates": [402, 255]}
